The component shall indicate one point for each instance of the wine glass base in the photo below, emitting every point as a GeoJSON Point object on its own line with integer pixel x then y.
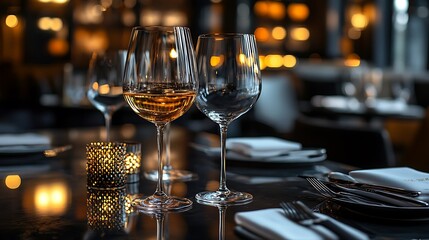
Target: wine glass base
{"type": "Point", "coordinates": [162, 204]}
{"type": "Point", "coordinates": [171, 175]}
{"type": "Point", "coordinates": [223, 198]}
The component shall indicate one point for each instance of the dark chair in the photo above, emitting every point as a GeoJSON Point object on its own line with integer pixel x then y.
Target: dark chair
{"type": "Point", "coordinates": [357, 145]}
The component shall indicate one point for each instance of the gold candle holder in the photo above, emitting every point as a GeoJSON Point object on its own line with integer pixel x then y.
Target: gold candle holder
{"type": "Point", "coordinates": [105, 165]}
{"type": "Point", "coordinates": [133, 161]}
{"type": "Point", "coordinates": [106, 210]}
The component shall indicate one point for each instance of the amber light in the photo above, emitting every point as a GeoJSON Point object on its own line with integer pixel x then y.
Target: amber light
{"type": "Point", "coordinates": [352, 60]}
{"type": "Point", "coordinates": [298, 11]}
{"type": "Point", "coordinates": [11, 21]}
{"type": "Point", "coordinates": [13, 181]}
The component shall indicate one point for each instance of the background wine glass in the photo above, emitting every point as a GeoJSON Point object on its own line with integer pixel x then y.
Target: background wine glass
{"type": "Point", "coordinates": [160, 85]}
{"type": "Point", "coordinates": [230, 84]}
{"type": "Point", "coordinates": [104, 88]}
{"type": "Point", "coordinates": [169, 173]}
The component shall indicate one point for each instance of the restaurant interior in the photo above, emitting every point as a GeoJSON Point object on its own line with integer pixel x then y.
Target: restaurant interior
{"type": "Point", "coordinates": [351, 77]}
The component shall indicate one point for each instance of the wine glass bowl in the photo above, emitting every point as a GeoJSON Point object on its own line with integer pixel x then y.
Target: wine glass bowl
{"type": "Point", "coordinates": [104, 88]}
{"type": "Point", "coordinates": [230, 84]}
{"type": "Point", "coordinates": [160, 85]}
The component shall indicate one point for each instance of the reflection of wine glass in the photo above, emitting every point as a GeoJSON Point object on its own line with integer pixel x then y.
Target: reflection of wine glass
{"type": "Point", "coordinates": [160, 85]}
{"type": "Point", "coordinates": [104, 88]}
{"type": "Point", "coordinates": [230, 84]}
{"type": "Point", "coordinates": [169, 173]}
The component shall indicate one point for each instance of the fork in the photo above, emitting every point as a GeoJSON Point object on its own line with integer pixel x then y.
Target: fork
{"type": "Point", "coordinates": [329, 193]}
{"type": "Point", "coordinates": [300, 213]}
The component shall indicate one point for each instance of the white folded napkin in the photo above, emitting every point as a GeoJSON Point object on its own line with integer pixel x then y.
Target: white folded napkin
{"type": "Point", "coordinates": [24, 139]}
{"type": "Point", "coordinates": [272, 224]}
{"type": "Point", "coordinates": [400, 177]}
{"type": "Point", "coordinates": [261, 146]}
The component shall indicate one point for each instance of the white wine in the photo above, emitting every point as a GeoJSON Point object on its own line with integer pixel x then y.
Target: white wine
{"type": "Point", "coordinates": [160, 106]}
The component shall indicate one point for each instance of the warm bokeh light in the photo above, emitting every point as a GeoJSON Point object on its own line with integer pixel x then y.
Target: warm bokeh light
{"type": "Point", "coordinates": [289, 61]}
{"type": "Point", "coordinates": [242, 58]}
{"type": "Point", "coordinates": [150, 17]}
{"type": "Point", "coordinates": [298, 11]}
{"type": "Point", "coordinates": [300, 34]}
{"type": "Point", "coordinates": [104, 89]}
{"type": "Point", "coordinates": [47, 23]}
{"type": "Point", "coordinates": [13, 181]}
{"type": "Point", "coordinates": [58, 47]}
{"type": "Point", "coordinates": [278, 33]}
{"type": "Point", "coordinates": [216, 61]}
{"type": "Point", "coordinates": [44, 23]}
{"type": "Point", "coordinates": [262, 65]}
{"type": "Point", "coordinates": [358, 20]}
{"type": "Point", "coordinates": [352, 60]}
{"type": "Point", "coordinates": [277, 10]}
{"type": "Point", "coordinates": [11, 21]}
{"type": "Point", "coordinates": [274, 61]}
{"type": "Point", "coordinates": [173, 53]}
{"type": "Point", "coordinates": [175, 18]}
{"type": "Point", "coordinates": [51, 199]}
{"type": "Point", "coordinates": [262, 34]}
{"type": "Point", "coordinates": [261, 8]}
{"type": "Point", "coordinates": [54, 1]}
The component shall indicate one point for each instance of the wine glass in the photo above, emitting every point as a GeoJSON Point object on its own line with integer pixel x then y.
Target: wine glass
{"type": "Point", "coordinates": [230, 84]}
{"type": "Point", "coordinates": [104, 87]}
{"type": "Point", "coordinates": [169, 173]}
{"type": "Point", "coordinates": [160, 85]}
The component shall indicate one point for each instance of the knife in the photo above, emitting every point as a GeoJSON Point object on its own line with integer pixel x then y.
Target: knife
{"type": "Point", "coordinates": [383, 196]}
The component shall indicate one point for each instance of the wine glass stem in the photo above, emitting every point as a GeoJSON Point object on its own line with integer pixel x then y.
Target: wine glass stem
{"type": "Point", "coordinates": [160, 140]}
{"type": "Point", "coordinates": [167, 165]}
{"type": "Point", "coordinates": [160, 227]}
{"type": "Point", "coordinates": [222, 180]}
{"type": "Point", "coordinates": [108, 121]}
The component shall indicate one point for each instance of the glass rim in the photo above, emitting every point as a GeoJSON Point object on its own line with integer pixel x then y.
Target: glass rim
{"type": "Point", "coordinates": [225, 35]}
{"type": "Point", "coordinates": [154, 28]}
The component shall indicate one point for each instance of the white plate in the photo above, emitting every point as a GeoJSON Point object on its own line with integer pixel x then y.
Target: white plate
{"type": "Point", "coordinates": [384, 211]}
{"type": "Point", "coordinates": [22, 149]}
{"type": "Point", "coordinates": [304, 156]}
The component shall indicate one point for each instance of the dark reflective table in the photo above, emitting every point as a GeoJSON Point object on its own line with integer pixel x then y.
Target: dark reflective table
{"type": "Point", "coordinates": [47, 198]}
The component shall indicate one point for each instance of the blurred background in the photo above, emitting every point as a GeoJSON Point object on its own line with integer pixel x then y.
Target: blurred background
{"type": "Point", "coordinates": [306, 48]}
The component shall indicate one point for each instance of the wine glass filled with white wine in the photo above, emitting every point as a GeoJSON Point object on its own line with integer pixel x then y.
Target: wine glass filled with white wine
{"type": "Point", "coordinates": [160, 85]}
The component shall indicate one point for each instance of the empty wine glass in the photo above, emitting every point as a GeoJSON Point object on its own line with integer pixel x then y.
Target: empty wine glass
{"type": "Point", "coordinates": [160, 85]}
{"type": "Point", "coordinates": [170, 173]}
{"type": "Point", "coordinates": [230, 84]}
{"type": "Point", "coordinates": [104, 88]}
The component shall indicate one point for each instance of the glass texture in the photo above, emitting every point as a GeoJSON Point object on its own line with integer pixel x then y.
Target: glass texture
{"type": "Point", "coordinates": [230, 84]}
{"type": "Point", "coordinates": [104, 87]}
{"type": "Point", "coordinates": [160, 85]}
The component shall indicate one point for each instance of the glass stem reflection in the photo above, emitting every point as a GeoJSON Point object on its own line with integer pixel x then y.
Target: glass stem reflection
{"type": "Point", "coordinates": [160, 235]}
{"type": "Point", "coordinates": [222, 181]}
{"type": "Point", "coordinates": [108, 121]}
{"type": "Point", "coordinates": [222, 211]}
{"type": "Point", "coordinates": [160, 141]}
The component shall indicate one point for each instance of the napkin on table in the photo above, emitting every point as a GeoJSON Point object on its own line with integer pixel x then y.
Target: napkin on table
{"type": "Point", "coordinates": [261, 146]}
{"type": "Point", "coordinates": [18, 143]}
{"type": "Point", "coordinates": [23, 139]}
{"type": "Point", "coordinates": [400, 177]}
{"type": "Point", "coordinates": [272, 224]}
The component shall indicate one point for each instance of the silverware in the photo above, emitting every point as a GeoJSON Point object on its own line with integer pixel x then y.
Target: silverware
{"type": "Point", "coordinates": [327, 192]}
{"type": "Point", "coordinates": [359, 190]}
{"type": "Point", "coordinates": [300, 213]}
{"type": "Point", "coordinates": [57, 150]}
{"type": "Point", "coordinates": [345, 179]}
{"type": "Point", "coordinates": [397, 200]}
